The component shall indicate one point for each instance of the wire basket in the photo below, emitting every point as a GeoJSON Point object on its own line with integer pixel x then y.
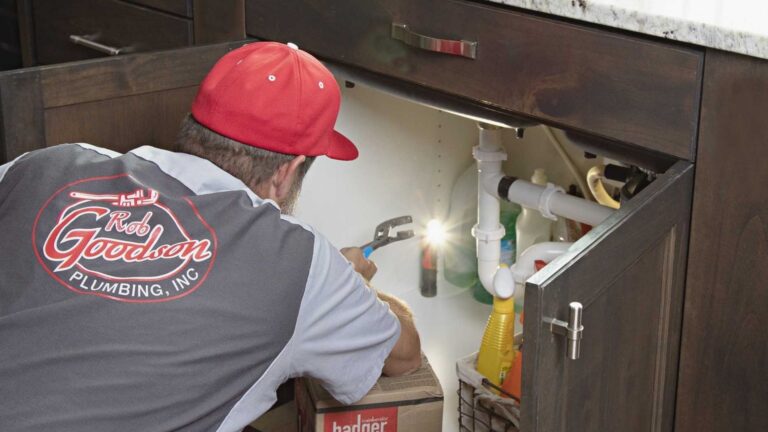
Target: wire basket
{"type": "Point", "coordinates": [480, 409]}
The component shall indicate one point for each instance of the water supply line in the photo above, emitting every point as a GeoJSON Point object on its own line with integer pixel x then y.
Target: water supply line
{"type": "Point", "coordinates": [595, 178]}
{"type": "Point", "coordinates": [550, 200]}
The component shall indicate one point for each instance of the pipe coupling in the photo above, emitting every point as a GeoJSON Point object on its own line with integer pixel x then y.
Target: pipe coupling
{"type": "Point", "coordinates": [488, 235]}
{"type": "Point", "coordinates": [546, 196]}
{"type": "Point", "coordinates": [488, 155]}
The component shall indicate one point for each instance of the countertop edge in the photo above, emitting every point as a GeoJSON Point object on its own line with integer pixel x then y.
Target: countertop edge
{"type": "Point", "coordinates": [672, 28]}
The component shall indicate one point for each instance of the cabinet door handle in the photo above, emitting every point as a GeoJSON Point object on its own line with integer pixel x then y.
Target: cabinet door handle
{"type": "Point", "coordinates": [572, 330]}
{"type": "Point", "coordinates": [461, 48]}
{"type": "Point", "coordinates": [88, 43]}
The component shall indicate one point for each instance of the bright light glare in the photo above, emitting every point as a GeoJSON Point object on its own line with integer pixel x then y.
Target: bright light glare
{"type": "Point", "coordinates": [435, 232]}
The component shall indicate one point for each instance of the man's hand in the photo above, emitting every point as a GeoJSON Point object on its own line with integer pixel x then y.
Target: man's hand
{"type": "Point", "coordinates": [365, 267]}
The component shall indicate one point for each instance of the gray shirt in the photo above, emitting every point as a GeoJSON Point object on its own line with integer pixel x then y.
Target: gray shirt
{"type": "Point", "coordinates": [152, 291]}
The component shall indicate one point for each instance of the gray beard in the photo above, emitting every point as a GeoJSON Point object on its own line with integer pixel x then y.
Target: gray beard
{"type": "Point", "coordinates": [287, 206]}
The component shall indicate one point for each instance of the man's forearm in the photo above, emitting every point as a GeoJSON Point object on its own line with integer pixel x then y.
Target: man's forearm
{"type": "Point", "coordinates": [406, 355]}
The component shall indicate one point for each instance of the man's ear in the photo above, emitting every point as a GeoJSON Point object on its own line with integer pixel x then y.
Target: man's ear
{"type": "Point", "coordinates": [283, 179]}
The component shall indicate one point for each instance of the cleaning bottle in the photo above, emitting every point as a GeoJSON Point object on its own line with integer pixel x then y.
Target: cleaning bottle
{"type": "Point", "coordinates": [512, 382]}
{"type": "Point", "coordinates": [459, 255]}
{"type": "Point", "coordinates": [496, 351]}
{"type": "Point", "coordinates": [508, 218]}
{"type": "Point", "coordinates": [531, 226]}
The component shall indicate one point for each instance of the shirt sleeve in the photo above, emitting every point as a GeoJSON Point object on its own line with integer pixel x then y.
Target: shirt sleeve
{"type": "Point", "coordinates": [344, 333]}
{"type": "Point", "coordinates": [6, 166]}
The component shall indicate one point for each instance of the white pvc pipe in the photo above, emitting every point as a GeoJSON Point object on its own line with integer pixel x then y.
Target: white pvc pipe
{"type": "Point", "coordinates": [508, 282]}
{"type": "Point", "coordinates": [488, 207]}
{"type": "Point", "coordinates": [525, 266]}
{"type": "Point", "coordinates": [488, 231]}
{"type": "Point", "coordinates": [557, 202]}
{"type": "Point", "coordinates": [547, 199]}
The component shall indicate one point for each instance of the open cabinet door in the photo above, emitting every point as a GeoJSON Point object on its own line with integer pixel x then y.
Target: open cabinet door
{"type": "Point", "coordinates": [629, 275]}
{"type": "Point", "coordinates": [120, 102]}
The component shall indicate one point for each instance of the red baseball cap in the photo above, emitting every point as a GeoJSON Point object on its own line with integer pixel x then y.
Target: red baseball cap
{"type": "Point", "coordinates": [275, 97]}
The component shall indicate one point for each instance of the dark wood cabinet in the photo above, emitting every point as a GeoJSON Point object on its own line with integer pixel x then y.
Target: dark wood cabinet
{"type": "Point", "coordinates": [111, 23]}
{"type": "Point", "coordinates": [178, 7]}
{"type": "Point", "coordinates": [625, 88]}
{"type": "Point", "coordinates": [629, 275]}
{"type": "Point", "coordinates": [724, 360]}
{"type": "Point", "coordinates": [120, 102]}
{"type": "Point", "coordinates": [54, 32]}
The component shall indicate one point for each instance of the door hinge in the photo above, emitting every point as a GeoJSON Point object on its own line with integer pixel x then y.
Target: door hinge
{"type": "Point", "coordinates": [572, 330]}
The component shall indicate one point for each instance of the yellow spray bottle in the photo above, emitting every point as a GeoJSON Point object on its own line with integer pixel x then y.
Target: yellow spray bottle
{"type": "Point", "coordinates": [496, 350]}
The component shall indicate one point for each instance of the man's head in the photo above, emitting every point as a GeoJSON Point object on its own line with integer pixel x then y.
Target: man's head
{"type": "Point", "coordinates": [270, 175]}
{"type": "Point", "coordinates": [262, 114]}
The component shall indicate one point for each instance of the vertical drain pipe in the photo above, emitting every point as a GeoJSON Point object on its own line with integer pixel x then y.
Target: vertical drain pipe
{"type": "Point", "coordinates": [488, 232]}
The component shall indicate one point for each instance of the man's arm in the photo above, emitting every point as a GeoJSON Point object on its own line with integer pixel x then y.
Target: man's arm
{"type": "Point", "coordinates": [405, 357]}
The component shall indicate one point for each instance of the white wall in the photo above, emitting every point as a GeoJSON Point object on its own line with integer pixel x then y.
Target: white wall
{"type": "Point", "coordinates": [410, 156]}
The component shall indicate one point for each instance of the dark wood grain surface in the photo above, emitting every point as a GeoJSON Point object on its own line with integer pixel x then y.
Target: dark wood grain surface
{"type": "Point", "coordinates": [119, 103]}
{"type": "Point", "coordinates": [724, 358]}
{"type": "Point", "coordinates": [26, 32]}
{"type": "Point", "coordinates": [21, 113]}
{"type": "Point", "coordinates": [178, 7]}
{"type": "Point", "coordinates": [129, 75]}
{"type": "Point", "coordinates": [110, 22]}
{"type": "Point", "coordinates": [219, 21]}
{"type": "Point", "coordinates": [628, 273]}
{"type": "Point", "coordinates": [123, 123]}
{"type": "Point", "coordinates": [625, 88]}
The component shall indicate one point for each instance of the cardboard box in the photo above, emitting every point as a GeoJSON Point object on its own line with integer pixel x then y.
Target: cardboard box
{"type": "Point", "coordinates": [408, 403]}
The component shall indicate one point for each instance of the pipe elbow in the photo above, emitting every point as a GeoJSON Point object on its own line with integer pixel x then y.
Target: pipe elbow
{"type": "Point", "coordinates": [525, 266]}
{"type": "Point", "coordinates": [486, 270]}
{"type": "Point", "coordinates": [490, 183]}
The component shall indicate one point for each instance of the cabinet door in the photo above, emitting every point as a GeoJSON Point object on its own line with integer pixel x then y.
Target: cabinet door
{"type": "Point", "coordinates": [120, 102]}
{"type": "Point", "coordinates": [628, 274]}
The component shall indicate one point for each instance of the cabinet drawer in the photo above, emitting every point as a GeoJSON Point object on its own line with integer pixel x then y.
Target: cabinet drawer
{"type": "Point", "coordinates": [108, 22]}
{"type": "Point", "coordinates": [178, 7]}
{"type": "Point", "coordinates": [611, 85]}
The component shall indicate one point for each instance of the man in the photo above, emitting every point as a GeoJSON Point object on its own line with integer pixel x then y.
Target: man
{"type": "Point", "coordinates": [160, 291]}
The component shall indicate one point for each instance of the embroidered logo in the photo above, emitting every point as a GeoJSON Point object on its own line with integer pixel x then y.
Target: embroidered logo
{"type": "Point", "coordinates": [126, 244]}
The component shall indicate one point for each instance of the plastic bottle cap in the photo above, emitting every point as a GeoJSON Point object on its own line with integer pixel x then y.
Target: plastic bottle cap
{"type": "Point", "coordinates": [539, 177]}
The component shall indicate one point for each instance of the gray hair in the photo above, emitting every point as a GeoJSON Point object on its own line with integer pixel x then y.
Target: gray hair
{"type": "Point", "coordinates": [251, 165]}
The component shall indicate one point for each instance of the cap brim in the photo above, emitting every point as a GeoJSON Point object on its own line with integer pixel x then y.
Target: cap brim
{"type": "Point", "coordinates": [341, 148]}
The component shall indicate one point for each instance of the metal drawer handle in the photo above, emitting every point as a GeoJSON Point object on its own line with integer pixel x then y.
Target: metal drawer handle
{"type": "Point", "coordinates": [461, 48]}
{"type": "Point", "coordinates": [572, 329]}
{"type": "Point", "coordinates": [88, 43]}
